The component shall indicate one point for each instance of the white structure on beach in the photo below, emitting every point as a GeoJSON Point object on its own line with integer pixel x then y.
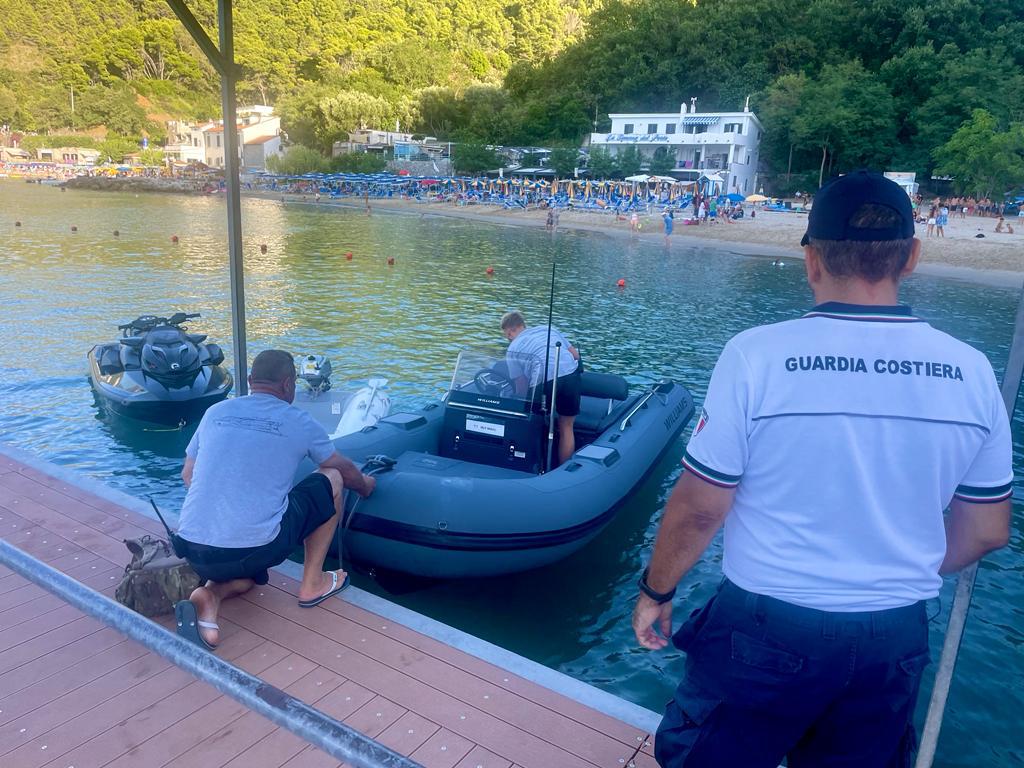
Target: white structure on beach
{"type": "Point", "coordinates": [722, 146]}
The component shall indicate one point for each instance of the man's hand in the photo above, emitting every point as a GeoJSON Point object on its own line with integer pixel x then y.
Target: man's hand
{"type": "Point", "coordinates": [647, 614]}
{"type": "Point", "coordinates": [369, 483]}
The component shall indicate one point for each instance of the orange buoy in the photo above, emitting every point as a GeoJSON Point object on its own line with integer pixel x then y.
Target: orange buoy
{"type": "Point", "coordinates": [174, 238]}
{"type": "Point", "coordinates": [391, 261]}
{"type": "Point", "coordinates": [263, 247]}
{"type": "Point", "coordinates": [74, 228]}
{"type": "Point", "coordinates": [490, 270]}
{"type": "Point", "coordinates": [622, 282]}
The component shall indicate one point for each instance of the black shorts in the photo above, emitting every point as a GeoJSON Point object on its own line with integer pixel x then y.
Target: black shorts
{"type": "Point", "coordinates": [310, 505]}
{"type": "Point", "coordinates": [567, 395]}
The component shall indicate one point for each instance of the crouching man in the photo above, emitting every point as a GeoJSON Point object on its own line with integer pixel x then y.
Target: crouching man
{"type": "Point", "coordinates": [241, 515]}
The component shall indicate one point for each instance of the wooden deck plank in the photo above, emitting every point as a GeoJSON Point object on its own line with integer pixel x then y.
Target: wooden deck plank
{"type": "Point", "coordinates": [311, 757]}
{"type": "Point", "coordinates": [443, 750]}
{"type": "Point", "coordinates": [55, 638]}
{"type": "Point", "coordinates": [162, 680]}
{"type": "Point", "coordinates": [479, 757]}
{"type": "Point", "coordinates": [31, 591]}
{"type": "Point", "coordinates": [280, 745]}
{"type": "Point", "coordinates": [165, 714]}
{"type": "Point", "coordinates": [73, 665]}
{"type": "Point", "coordinates": [14, 617]}
{"type": "Point", "coordinates": [235, 737]}
{"type": "Point", "coordinates": [435, 680]}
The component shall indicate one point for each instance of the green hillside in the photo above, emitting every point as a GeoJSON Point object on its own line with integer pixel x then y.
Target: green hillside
{"type": "Point", "coordinates": [837, 82]}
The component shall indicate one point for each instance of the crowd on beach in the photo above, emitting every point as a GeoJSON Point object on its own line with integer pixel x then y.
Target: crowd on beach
{"type": "Point", "coordinates": [936, 219]}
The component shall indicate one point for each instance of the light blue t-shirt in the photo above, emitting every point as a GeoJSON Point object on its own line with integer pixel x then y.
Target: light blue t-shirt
{"type": "Point", "coordinates": [525, 355]}
{"type": "Point", "coordinates": [247, 451]}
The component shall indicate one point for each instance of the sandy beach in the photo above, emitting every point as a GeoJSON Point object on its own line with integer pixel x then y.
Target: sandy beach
{"type": "Point", "coordinates": [996, 258]}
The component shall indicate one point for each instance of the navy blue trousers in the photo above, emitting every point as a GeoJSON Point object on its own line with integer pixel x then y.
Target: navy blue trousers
{"type": "Point", "coordinates": [766, 679]}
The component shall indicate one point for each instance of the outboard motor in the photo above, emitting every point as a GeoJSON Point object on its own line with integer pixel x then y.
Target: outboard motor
{"type": "Point", "coordinates": [315, 370]}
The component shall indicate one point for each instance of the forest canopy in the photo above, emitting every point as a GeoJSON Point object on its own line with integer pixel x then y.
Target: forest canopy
{"type": "Point", "coordinates": [837, 83]}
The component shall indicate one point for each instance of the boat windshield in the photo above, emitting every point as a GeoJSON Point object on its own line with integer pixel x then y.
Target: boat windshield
{"type": "Point", "coordinates": [484, 377]}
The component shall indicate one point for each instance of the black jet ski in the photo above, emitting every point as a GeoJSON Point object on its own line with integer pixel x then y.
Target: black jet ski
{"type": "Point", "coordinates": [159, 372]}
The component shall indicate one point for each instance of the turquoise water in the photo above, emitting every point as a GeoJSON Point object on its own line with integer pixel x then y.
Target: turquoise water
{"type": "Point", "coordinates": [65, 291]}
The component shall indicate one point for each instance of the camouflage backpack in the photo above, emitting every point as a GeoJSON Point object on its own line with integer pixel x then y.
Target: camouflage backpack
{"type": "Point", "coordinates": [156, 578]}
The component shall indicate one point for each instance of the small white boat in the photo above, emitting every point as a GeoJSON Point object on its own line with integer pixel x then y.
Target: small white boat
{"type": "Point", "coordinates": [340, 413]}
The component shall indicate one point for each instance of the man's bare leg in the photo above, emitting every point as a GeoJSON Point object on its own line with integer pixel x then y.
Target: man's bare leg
{"type": "Point", "coordinates": [314, 581]}
{"type": "Point", "coordinates": [207, 600]}
{"type": "Point", "coordinates": [566, 438]}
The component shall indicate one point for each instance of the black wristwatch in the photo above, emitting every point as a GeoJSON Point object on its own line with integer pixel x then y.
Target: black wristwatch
{"type": "Point", "coordinates": [659, 597]}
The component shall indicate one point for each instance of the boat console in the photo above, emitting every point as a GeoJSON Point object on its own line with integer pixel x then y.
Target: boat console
{"type": "Point", "coordinates": [487, 421]}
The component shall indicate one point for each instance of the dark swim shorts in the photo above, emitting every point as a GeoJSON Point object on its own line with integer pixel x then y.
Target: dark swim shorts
{"type": "Point", "coordinates": [567, 395]}
{"type": "Point", "coordinates": [310, 505]}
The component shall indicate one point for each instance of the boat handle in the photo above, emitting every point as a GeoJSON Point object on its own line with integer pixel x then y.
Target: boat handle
{"type": "Point", "coordinates": [640, 404]}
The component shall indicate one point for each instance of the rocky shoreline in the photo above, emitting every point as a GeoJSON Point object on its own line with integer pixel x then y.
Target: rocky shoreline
{"type": "Point", "coordinates": [138, 184]}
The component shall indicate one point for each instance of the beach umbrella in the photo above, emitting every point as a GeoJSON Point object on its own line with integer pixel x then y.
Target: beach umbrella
{"type": "Point", "coordinates": [734, 197]}
{"type": "Point", "coordinates": [757, 199]}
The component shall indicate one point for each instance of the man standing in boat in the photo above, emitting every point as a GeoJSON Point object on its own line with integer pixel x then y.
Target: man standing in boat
{"type": "Point", "coordinates": [241, 515]}
{"type": "Point", "coordinates": [829, 447]}
{"type": "Point", "coordinates": [528, 364]}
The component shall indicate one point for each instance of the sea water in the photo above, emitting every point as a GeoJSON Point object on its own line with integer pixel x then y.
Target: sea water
{"type": "Point", "coordinates": [64, 291]}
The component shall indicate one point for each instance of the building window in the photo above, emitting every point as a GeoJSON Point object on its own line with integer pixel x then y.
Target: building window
{"type": "Point", "coordinates": [739, 127]}
{"type": "Point", "coordinates": [218, 140]}
{"type": "Point", "coordinates": [652, 127]}
{"type": "Point", "coordinates": [670, 128]}
{"type": "Point", "coordinates": [733, 128]}
{"type": "Point", "coordinates": [627, 128]}
{"type": "Point", "coordinates": [745, 182]}
{"type": "Point", "coordinates": [748, 158]}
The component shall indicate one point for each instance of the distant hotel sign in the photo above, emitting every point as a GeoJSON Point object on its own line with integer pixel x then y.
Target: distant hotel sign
{"type": "Point", "coordinates": [636, 138]}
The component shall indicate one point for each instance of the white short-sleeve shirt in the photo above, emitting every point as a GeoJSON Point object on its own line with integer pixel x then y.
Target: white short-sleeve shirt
{"type": "Point", "coordinates": [247, 451]}
{"type": "Point", "coordinates": [525, 355]}
{"type": "Point", "coordinates": [846, 433]}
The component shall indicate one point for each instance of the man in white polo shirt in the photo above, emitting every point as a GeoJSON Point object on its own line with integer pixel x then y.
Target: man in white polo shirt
{"type": "Point", "coordinates": [829, 447]}
{"type": "Point", "coordinates": [531, 357]}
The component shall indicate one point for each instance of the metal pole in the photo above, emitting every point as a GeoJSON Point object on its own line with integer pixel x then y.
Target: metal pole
{"type": "Point", "coordinates": [965, 581]}
{"type": "Point", "coordinates": [336, 739]}
{"type": "Point", "coordinates": [551, 409]}
{"type": "Point", "coordinates": [233, 195]}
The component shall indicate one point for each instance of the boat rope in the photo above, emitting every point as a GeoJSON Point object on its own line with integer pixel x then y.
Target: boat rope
{"type": "Point", "coordinates": [374, 465]}
{"type": "Point", "coordinates": [1010, 389]}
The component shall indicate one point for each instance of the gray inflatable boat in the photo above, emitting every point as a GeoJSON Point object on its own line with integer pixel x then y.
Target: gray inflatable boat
{"type": "Point", "coordinates": [461, 487]}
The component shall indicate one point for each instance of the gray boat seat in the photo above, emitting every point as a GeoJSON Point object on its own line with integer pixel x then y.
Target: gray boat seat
{"type": "Point", "coordinates": [597, 414]}
{"type": "Point", "coordinates": [606, 385]}
{"type": "Point", "coordinates": [603, 397]}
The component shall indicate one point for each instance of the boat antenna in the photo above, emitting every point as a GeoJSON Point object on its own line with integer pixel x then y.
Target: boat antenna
{"type": "Point", "coordinates": [547, 345]}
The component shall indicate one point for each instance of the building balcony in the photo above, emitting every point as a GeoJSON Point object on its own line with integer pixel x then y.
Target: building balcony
{"type": "Point", "coordinates": [672, 139]}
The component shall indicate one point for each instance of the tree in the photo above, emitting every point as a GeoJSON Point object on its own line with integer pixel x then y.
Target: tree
{"type": "Point", "coordinates": [473, 158]}
{"type": "Point", "coordinates": [601, 163]}
{"type": "Point", "coordinates": [779, 106]}
{"type": "Point", "coordinates": [296, 161]}
{"type": "Point", "coordinates": [662, 162]}
{"type": "Point", "coordinates": [628, 161]}
{"type": "Point", "coordinates": [358, 162]}
{"type": "Point", "coordinates": [564, 160]}
{"type": "Point", "coordinates": [983, 160]}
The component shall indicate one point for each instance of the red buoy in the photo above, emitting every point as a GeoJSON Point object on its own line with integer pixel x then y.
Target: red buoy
{"type": "Point", "coordinates": [174, 238]}
{"type": "Point", "coordinates": [490, 270]}
{"type": "Point", "coordinates": [263, 247]}
{"type": "Point", "coordinates": [622, 282]}
{"type": "Point", "coordinates": [348, 256]}
{"type": "Point", "coordinates": [391, 261]}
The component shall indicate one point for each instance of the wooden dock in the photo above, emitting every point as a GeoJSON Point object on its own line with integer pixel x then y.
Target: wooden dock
{"type": "Point", "coordinates": [76, 694]}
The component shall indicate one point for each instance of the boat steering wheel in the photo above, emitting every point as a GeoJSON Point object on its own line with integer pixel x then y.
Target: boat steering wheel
{"type": "Point", "coordinates": [491, 382]}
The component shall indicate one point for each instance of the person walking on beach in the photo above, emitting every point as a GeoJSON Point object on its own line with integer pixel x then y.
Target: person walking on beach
{"type": "Point", "coordinates": [241, 514]}
{"type": "Point", "coordinates": [667, 217]}
{"type": "Point", "coordinates": [829, 447]}
{"type": "Point", "coordinates": [634, 222]}
{"type": "Point", "coordinates": [941, 220]}
{"type": "Point", "coordinates": [933, 214]}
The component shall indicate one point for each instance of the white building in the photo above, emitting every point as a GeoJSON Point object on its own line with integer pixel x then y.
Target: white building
{"type": "Point", "coordinates": [722, 145]}
{"type": "Point", "coordinates": [205, 142]}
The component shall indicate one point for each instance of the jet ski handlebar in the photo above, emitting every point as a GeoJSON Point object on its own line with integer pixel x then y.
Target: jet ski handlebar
{"type": "Point", "coordinates": [148, 322]}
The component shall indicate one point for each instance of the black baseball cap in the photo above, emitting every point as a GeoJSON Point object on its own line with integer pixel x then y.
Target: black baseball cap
{"type": "Point", "coordinates": [840, 198]}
